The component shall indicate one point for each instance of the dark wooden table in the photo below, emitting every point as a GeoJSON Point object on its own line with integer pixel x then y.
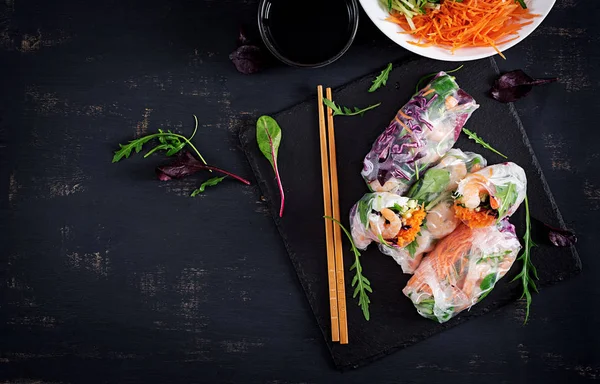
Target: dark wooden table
{"type": "Point", "coordinates": [108, 275]}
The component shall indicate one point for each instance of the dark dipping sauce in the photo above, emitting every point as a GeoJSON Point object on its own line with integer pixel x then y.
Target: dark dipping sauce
{"type": "Point", "coordinates": [308, 32]}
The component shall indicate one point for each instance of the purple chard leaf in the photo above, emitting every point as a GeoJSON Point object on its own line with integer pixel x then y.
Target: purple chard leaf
{"type": "Point", "coordinates": [548, 234]}
{"type": "Point", "coordinates": [514, 85]}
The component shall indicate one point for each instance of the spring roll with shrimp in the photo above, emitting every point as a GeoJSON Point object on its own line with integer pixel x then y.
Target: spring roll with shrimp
{"type": "Point", "coordinates": [491, 194]}
{"type": "Point", "coordinates": [434, 191]}
{"type": "Point", "coordinates": [422, 131]}
{"type": "Point", "coordinates": [390, 220]}
{"type": "Point", "coordinates": [462, 269]}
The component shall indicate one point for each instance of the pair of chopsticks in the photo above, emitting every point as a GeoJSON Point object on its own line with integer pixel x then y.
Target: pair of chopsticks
{"type": "Point", "coordinates": [333, 233]}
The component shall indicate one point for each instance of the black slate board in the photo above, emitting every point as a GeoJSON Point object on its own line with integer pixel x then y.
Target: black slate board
{"type": "Point", "coordinates": [394, 322]}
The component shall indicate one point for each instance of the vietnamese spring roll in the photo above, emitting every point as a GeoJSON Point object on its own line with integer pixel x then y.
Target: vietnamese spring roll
{"type": "Point", "coordinates": [491, 194]}
{"type": "Point", "coordinates": [434, 191]}
{"type": "Point", "coordinates": [423, 130]}
{"type": "Point", "coordinates": [462, 269]}
{"type": "Point", "coordinates": [386, 218]}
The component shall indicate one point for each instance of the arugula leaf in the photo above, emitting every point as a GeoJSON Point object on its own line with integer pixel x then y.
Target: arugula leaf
{"type": "Point", "coordinates": [363, 212]}
{"type": "Point", "coordinates": [363, 285]}
{"type": "Point", "coordinates": [431, 185]}
{"type": "Point", "coordinates": [381, 80]}
{"type": "Point", "coordinates": [398, 208]}
{"type": "Point", "coordinates": [345, 111]}
{"type": "Point", "coordinates": [486, 285]}
{"type": "Point", "coordinates": [208, 183]}
{"type": "Point", "coordinates": [473, 136]}
{"type": "Point", "coordinates": [412, 248]}
{"type": "Point", "coordinates": [528, 272]}
{"type": "Point", "coordinates": [508, 196]}
{"type": "Point", "coordinates": [268, 137]}
{"type": "Point", "coordinates": [169, 141]}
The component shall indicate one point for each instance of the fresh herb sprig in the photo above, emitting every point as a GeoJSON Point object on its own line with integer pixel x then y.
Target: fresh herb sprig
{"type": "Point", "coordinates": [268, 137]}
{"type": "Point", "coordinates": [473, 136]}
{"type": "Point", "coordinates": [345, 111]}
{"type": "Point", "coordinates": [528, 272]}
{"type": "Point", "coordinates": [208, 183]}
{"type": "Point", "coordinates": [170, 142]}
{"type": "Point", "coordinates": [362, 284]}
{"type": "Point", "coordinates": [381, 80]}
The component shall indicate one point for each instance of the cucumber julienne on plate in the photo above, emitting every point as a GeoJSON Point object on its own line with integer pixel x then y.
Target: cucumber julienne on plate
{"type": "Point", "coordinates": [456, 24]}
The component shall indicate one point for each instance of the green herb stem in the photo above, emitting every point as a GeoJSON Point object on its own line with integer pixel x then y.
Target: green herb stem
{"type": "Point", "coordinates": [345, 111]}
{"type": "Point", "coordinates": [528, 272]}
{"type": "Point", "coordinates": [362, 284]}
{"type": "Point", "coordinates": [473, 136]}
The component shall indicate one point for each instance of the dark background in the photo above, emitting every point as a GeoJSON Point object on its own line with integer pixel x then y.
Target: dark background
{"type": "Point", "coordinates": [108, 275]}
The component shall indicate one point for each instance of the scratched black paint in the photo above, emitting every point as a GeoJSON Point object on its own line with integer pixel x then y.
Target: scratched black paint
{"type": "Point", "coordinates": [93, 290]}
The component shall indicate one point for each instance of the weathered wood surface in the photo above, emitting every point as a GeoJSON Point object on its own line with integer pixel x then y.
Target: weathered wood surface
{"type": "Point", "coordinates": [108, 275]}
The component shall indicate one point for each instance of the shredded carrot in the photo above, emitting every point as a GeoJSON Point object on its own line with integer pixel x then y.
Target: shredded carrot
{"type": "Point", "coordinates": [471, 23]}
{"type": "Point", "coordinates": [413, 224]}
{"type": "Point", "coordinates": [473, 219]}
{"type": "Point", "coordinates": [444, 259]}
{"type": "Point", "coordinates": [428, 92]}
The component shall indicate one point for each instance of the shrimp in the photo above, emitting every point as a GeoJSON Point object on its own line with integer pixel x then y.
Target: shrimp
{"type": "Point", "coordinates": [390, 185]}
{"type": "Point", "coordinates": [391, 229]}
{"type": "Point", "coordinates": [457, 173]}
{"type": "Point", "coordinates": [441, 220]}
{"type": "Point", "coordinates": [474, 190]}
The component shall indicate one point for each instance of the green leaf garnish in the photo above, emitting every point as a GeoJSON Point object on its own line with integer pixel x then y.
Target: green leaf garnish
{"type": "Point", "coordinates": [381, 80]}
{"type": "Point", "coordinates": [169, 141]}
{"type": "Point", "coordinates": [364, 208]}
{"type": "Point", "coordinates": [345, 111]}
{"type": "Point", "coordinates": [268, 137]}
{"type": "Point", "coordinates": [363, 285]}
{"type": "Point", "coordinates": [208, 183]}
{"type": "Point", "coordinates": [528, 272]}
{"type": "Point", "coordinates": [522, 3]}
{"type": "Point", "coordinates": [486, 286]}
{"type": "Point", "coordinates": [473, 136]}
{"type": "Point", "coordinates": [508, 196]}
{"type": "Point", "coordinates": [430, 186]}
{"type": "Point", "coordinates": [412, 247]}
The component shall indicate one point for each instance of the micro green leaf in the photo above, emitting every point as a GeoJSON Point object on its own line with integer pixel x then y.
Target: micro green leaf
{"type": "Point", "coordinates": [473, 136]}
{"type": "Point", "coordinates": [208, 183]}
{"type": "Point", "coordinates": [338, 111]}
{"type": "Point", "coordinates": [381, 80]}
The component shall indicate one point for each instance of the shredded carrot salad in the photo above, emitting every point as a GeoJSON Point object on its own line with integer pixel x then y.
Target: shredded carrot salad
{"type": "Point", "coordinates": [470, 23]}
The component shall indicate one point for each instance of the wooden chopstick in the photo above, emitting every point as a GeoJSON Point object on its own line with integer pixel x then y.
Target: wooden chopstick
{"type": "Point", "coordinates": [337, 232]}
{"type": "Point", "coordinates": [333, 300]}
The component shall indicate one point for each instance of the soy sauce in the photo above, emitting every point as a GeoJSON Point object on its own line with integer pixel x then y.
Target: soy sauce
{"type": "Point", "coordinates": [308, 32]}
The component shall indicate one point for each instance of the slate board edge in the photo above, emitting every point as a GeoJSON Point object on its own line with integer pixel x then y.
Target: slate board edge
{"type": "Point", "coordinates": [274, 208]}
{"type": "Point", "coordinates": [536, 163]}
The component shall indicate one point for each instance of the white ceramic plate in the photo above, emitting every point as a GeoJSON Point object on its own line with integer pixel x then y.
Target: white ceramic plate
{"type": "Point", "coordinates": [377, 13]}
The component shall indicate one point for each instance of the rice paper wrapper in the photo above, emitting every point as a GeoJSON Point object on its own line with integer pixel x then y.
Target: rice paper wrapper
{"type": "Point", "coordinates": [434, 190]}
{"type": "Point", "coordinates": [462, 269]}
{"type": "Point", "coordinates": [439, 181]}
{"type": "Point", "coordinates": [367, 224]}
{"type": "Point", "coordinates": [422, 131]}
{"type": "Point", "coordinates": [505, 182]}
